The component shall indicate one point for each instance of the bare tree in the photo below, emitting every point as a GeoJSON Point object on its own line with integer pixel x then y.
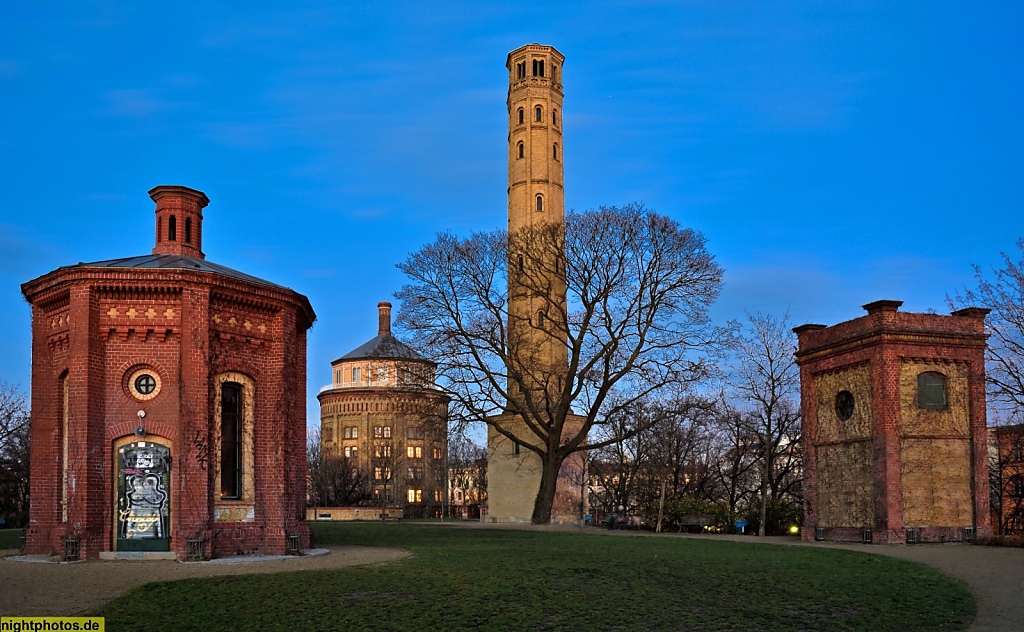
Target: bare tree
{"type": "Point", "coordinates": [14, 454]}
{"type": "Point", "coordinates": [1003, 293]}
{"type": "Point", "coordinates": [386, 461]}
{"type": "Point", "coordinates": [637, 287]}
{"type": "Point", "coordinates": [766, 378]}
{"type": "Point", "coordinates": [334, 480]}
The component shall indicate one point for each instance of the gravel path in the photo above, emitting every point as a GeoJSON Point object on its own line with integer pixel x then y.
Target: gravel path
{"type": "Point", "coordinates": [50, 589]}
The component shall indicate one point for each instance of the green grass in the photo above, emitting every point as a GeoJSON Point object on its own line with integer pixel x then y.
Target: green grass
{"type": "Point", "coordinates": [10, 538]}
{"type": "Point", "coordinates": [521, 580]}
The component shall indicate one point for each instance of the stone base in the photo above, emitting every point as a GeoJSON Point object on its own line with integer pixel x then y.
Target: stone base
{"type": "Point", "coordinates": [138, 555]}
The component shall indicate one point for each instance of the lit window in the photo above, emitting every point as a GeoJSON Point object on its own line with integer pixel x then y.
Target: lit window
{"type": "Point", "coordinates": [437, 453]}
{"type": "Point", "coordinates": [382, 451]}
{"type": "Point", "coordinates": [414, 452]}
{"type": "Point", "coordinates": [931, 391]}
{"type": "Point", "coordinates": [415, 495]}
{"type": "Point", "coordinates": [378, 432]}
{"type": "Point", "coordinates": [351, 452]}
{"type": "Point", "coordinates": [437, 495]}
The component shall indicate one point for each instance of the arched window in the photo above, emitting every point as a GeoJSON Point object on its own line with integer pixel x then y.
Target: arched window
{"type": "Point", "coordinates": [230, 440]}
{"type": "Point", "coordinates": [188, 230]}
{"type": "Point", "coordinates": [555, 151]}
{"type": "Point", "coordinates": [521, 149]}
{"type": "Point", "coordinates": [540, 203]}
{"type": "Point", "coordinates": [522, 116]}
{"type": "Point", "coordinates": [172, 228]}
{"type": "Point", "coordinates": [520, 263]}
{"type": "Point", "coordinates": [538, 114]}
{"type": "Point", "coordinates": [538, 67]}
{"type": "Point", "coordinates": [540, 318]}
{"type": "Point", "coordinates": [554, 117]}
{"type": "Point", "coordinates": [931, 391]}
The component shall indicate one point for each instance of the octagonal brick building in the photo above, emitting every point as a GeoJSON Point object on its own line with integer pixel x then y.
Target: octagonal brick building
{"type": "Point", "coordinates": [168, 412]}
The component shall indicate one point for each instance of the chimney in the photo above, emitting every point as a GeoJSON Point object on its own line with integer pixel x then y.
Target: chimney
{"type": "Point", "coordinates": [384, 318]}
{"type": "Point", "coordinates": [179, 220]}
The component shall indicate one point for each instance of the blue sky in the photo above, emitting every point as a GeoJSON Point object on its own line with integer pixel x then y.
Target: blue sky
{"type": "Point", "coordinates": [833, 153]}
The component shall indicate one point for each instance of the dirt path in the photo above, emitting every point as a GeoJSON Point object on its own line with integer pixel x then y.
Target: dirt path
{"type": "Point", "coordinates": [49, 589]}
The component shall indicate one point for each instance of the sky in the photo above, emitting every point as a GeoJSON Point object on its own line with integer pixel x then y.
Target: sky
{"type": "Point", "coordinates": [833, 153]}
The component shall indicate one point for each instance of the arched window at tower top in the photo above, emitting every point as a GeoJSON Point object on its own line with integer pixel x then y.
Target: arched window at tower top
{"type": "Point", "coordinates": [538, 114]}
{"type": "Point", "coordinates": [522, 116]}
{"type": "Point", "coordinates": [538, 67]}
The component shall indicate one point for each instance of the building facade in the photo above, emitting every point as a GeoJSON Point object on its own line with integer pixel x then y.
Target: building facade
{"type": "Point", "coordinates": [168, 416]}
{"type": "Point", "coordinates": [384, 414]}
{"type": "Point", "coordinates": [536, 288]}
{"type": "Point", "coordinates": [894, 427]}
{"type": "Point", "coordinates": [1008, 479]}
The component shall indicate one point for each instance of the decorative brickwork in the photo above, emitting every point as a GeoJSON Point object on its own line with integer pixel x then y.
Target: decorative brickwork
{"type": "Point", "coordinates": [894, 433]}
{"type": "Point", "coordinates": [126, 359]}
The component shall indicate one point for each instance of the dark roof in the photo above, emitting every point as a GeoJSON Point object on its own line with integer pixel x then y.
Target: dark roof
{"type": "Point", "coordinates": [176, 262]}
{"type": "Point", "coordinates": [384, 346]}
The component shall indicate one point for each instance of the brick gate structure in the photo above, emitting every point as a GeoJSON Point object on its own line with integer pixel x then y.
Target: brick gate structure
{"type": "Point", "coordinates": [168, 403]}
{"type": "Point", "coordinates": [894, 427]}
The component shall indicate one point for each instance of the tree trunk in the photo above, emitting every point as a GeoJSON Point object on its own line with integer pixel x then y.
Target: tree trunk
{"type": "Point", "coordinates": [764, 497]}
{"type": "Point", "coordinates": [542, 506]}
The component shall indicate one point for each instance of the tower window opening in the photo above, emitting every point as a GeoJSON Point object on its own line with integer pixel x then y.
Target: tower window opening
{"type": "Point", "coordinates": [554, 72]}
{"type": "Point", "coordinates": [521, 70]}
{"type": "Point", "coordinates": [188, 230]}
{"type": "Point", "coordinates": [555, 151]}
{"type": "Point", "coordinates": [522, 149]}
{"type": "Point", "coordinates": [538, 114]}
{"type": "Point", "coordinates": [554, 117]}
{"type": "Point", "coordinates": [538, 67]}
{"type": "Point", "coordinates": [231, 440]}
{"type": "Point", "coordinates": [540, 318]}
{"type": "Point", "coordinates": [540, 203]}
{"type": "Point", "coordinates": [159, 229]}
{"type": "Point", "coordinates": [520, 263]}
{"type": "Point", "coordinates": [522, 116]}
{"type": "Point", "coordinates": [516, 448]}
{"type": "Point", "coordinates": [172, 228]}
{"type": "Point", "coordinates": [931, 391]}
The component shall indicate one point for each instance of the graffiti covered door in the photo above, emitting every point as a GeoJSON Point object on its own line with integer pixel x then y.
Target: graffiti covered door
{"type": "Point", "coordinates": [143, 496]}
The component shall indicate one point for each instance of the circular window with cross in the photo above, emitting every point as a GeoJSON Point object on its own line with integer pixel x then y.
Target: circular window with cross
{"type": "Point", "coordinates": [143, 383]}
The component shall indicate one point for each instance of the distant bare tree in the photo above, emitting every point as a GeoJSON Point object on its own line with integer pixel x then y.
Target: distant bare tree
{"type": "Point", "coordinates": [767, 379]}
{"type": "Point", "coordinates": [1003, 293]}
{"type": "Point", "coordinates": [638, 288]}
{"type": "Point", "coordinates": [14, 454]}
{"type": "Point", "coordinates": [334, 480]}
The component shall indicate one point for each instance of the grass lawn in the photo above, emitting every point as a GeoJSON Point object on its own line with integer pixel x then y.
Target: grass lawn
{"type": "Point", "coordinates": [10, 538]}
{"type": "Point", "coordinates": [524, 580]}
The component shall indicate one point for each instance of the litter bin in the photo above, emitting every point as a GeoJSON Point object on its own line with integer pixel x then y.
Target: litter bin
{"type": "Point", "coordinates": [588, 520]}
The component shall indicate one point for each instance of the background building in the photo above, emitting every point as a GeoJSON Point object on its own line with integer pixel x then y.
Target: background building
{"type": "Point", "coordinates": [1007, 479]}
{"type": "Point", "coordinates": [168, 413]}
{"type": "Point", "coordinates": [894, 434]}
{"type": "Point", "coordinates": [384, 413]}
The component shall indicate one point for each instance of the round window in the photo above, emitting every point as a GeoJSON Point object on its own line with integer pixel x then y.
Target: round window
{"type": "Point", "coordinates": [143, 383]}
{"type": "Point", "coordinates": [844, 405]}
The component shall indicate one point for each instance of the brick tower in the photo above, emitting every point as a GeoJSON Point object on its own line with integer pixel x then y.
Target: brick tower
{"type": "Point", "coordinates": [894, 436]}
{"type": "Point", "coordinates": [536, 292]}
{"type": "Point", "coordinates": [168, 417]}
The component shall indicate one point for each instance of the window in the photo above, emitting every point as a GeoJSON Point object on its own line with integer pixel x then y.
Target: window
{"type": "Point", "coordinates": [415, 473]}
{"type": "Point", "coordinates": [415, 495]}
{"type": "Point", "coordinates": [538, 114]}
{"type": "Point", "coordinates": [172, 228]}
{"type": "Point", "coordinates": [414, 452]}
{"type": "Point", "coordinates": [188, 230]}
{"type": "Point", "coordinates": [437, 453]}
{"type": "Point", "coordinates": [931, 391]}
{"type": "Point", "coordinates": [328, 433]}
{"type": "Point", "coordinates": [337, 377]}
{"type": "Point", "coordinates": [382, 451]}
{"type": "Point", "coordinates": [351, 452]}
{"type": "Point", "coordinates": [515, 449]}
{"type": "Point", "coordinates": [357, 374]}
{"type": "Point", "coordinates": [522, 116]}
{"type": "Point", "coordinates": [521, 70]}
{"type": "Point", "coordinates": [520, 263]}
{"type": "Point", "coordinates": [378, 432]}
{"type": "Point", "coordinates": [377, 493]}
{"type": "Point", "coordinates": [554, 152]}
{"type": "Point", "coordinates": [351, 432]}
{"type": "Point", "coordinates": [521, 149]}
{"type": "Point", "coordinates": [231, 440]}
{"type": "Point", "coordinates": [437, 495]}
{"type": "Point", "coordinates": [1016, 487]}
{"type": "Point", "coordinates": [538, 67]}
{"type": "Point", "coordinates": [540, 203]}
{"type": "Point", "coordinates": [554, 117]}
{"type": "Point", "coordinates": [387, 432]}
{"type": "Point", "coordinates": [414, 432]}
{"type": "Point", "coordinates": [844, 405]}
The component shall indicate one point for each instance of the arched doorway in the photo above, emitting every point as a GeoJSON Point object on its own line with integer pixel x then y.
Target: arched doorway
{"type": "Point", "coordinates": [142, 517]}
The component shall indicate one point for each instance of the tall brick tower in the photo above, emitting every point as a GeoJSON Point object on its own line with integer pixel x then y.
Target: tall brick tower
{"type": "Point", "coordinates": [536, 282]}
{"type": "Point", "coordinates": [894, 437]}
